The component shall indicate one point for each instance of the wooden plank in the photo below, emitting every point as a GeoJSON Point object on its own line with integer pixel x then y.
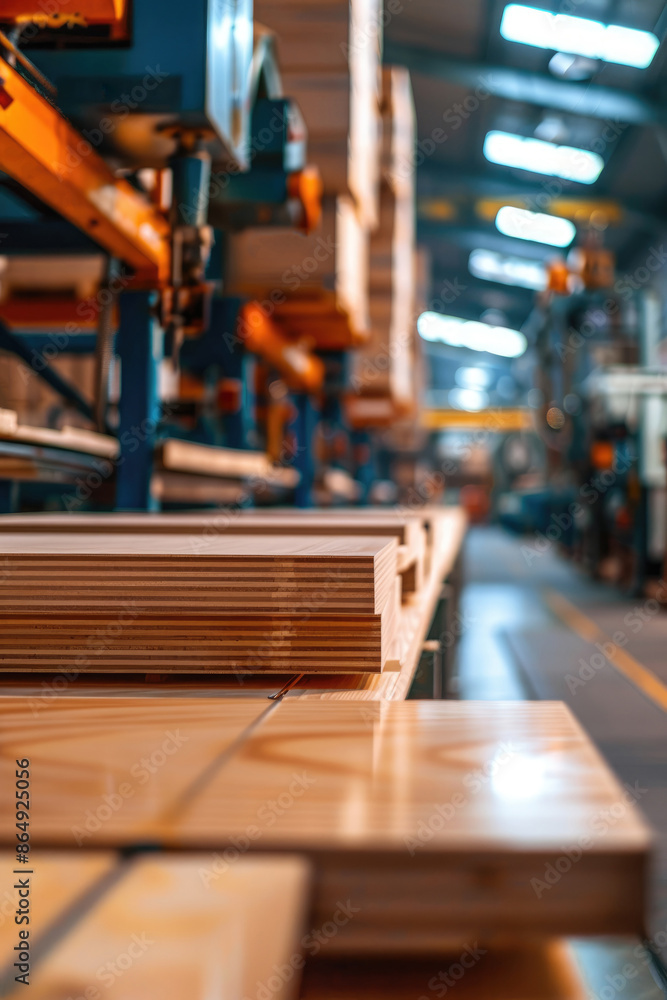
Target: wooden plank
{"type": "Point", "coordinates": [69, 438]}
{"type": "Point", "coordinates": [439, 821]}
{"type": "Point", "coordinates": [323, 274]}
{"type": "Point", "coordinates": [175, 928]}
{"type": "Point", "coordinates": [57, 882]}
{"type": "Point", "coordinates": [102, 770]}
{"type": "Point", "coordinates": [232, 463]}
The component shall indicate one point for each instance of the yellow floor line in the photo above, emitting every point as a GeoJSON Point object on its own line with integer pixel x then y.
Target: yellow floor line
{"type": "Point", "coordinates": [626, 664]}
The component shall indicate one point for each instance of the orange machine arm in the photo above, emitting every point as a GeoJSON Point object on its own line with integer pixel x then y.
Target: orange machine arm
{"type": "Point", "coordinates": [86, 11]}
{"type": "Point", "coordinates": [302, 371]}
{"type": "Point", "coordinates": [42, 151]}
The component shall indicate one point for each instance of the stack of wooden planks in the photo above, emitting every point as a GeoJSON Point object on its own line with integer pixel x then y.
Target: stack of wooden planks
{"type": "Point", "coordinates": [384, 365]}
{"type": "Point", "coordinates": [317, 285]}
{"type": "Point", "coordinates": [410, 531]}
{"type": "Point", "coordinates": [329, 53]}
{"type": "Point", "coordinates": [194, 603]}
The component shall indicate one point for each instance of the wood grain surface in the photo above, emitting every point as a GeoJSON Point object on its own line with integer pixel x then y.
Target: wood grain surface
{"type": "Point", "coordinates": [174, 928]}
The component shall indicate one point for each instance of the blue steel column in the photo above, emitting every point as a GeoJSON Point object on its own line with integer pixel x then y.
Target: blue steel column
{"type": "Point", "coordinates": [303, 427]}
{"type": "Point", "coordinates": [139, 344]}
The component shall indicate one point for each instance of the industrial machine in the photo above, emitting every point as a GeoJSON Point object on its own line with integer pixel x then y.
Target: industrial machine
{"type": "Point", "coordinates": [135, 161]}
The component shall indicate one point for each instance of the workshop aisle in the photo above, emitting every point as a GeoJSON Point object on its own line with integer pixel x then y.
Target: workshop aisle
{"type": "Point", "coordinates": [533, 626]}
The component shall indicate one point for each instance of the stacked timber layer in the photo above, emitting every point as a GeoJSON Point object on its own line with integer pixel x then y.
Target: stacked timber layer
{"type": "Point", "coordinates": [329, 53]}
{"type": "Point", "coordinates": [169, 602]}
{"type": "Point", "coordinates": [384, 366]}
{"type": "Point", "coordinates": [410, 532]}
{"type": "Point", "coordinates": [317, 285]}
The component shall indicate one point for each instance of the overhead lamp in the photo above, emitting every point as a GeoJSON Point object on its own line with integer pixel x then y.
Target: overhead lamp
{"type": "Point", "coordinates": [472, 400]}
{"type": "Point", "coordinates": [578, 36]}
{"type": "Point", "coordinates": [473, 378]}
{"type": "Point", "coordinates": [520, 272]}
{"type": "Point", "coordinates": [456, 332]}
{"type": "Point", "coordinates": [521, 224]}
{"type": "Point", "coordinates": [541, 157]}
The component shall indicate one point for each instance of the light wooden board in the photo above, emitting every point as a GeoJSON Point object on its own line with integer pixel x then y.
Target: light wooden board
{"type": "Point", "coordinates": [104, 769]}
{"type": "Point", "coordinates": [69, 438]}
{"type": "Point", "coordinates": [408, 531]}
{"type": "Point", "coordinates": [232, 463]}
{"type": "Point", "coordinates": [173, 928]}
{"type": "Point", "coordinates": [438, 820]}
{"type": "Point", "coordinates": [323, 273]}
{"type": "Point", "coordinates": [329, 55]}
{"type": "Point", "coordinates": [57, 881]}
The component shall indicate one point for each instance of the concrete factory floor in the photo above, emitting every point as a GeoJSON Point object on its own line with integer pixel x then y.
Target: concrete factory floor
{"type": "Point", "coordinates": [533, 626]}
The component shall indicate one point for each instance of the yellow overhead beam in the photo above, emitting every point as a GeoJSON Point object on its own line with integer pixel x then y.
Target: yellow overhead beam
{"type": "Point", "coordinates": [493, 421]}
{"type": "Point", "coordinates": [580, 210]}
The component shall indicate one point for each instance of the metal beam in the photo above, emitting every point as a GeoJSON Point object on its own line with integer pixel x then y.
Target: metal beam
{"type": "Point", "coordinates": [528, 87]}
{"type": "Point", "coordinates": [41, 150]}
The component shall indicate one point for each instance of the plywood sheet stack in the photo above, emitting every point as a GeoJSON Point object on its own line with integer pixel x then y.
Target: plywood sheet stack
{"type": "Point", "coordinates": [195, 604]}
{"type": "Point", "coordinates": [329, 53]}
{"type": "Point", "coordinates": [384, 366]}
{"type": "Point", "coordinates": [316, 284]}
{"type": "Point", "coordinates": [410, 531]}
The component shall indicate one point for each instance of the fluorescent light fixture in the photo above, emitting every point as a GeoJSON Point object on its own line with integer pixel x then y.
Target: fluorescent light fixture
{"type": "Point", "coordinates": [472, 400]}
{"type": "Point", "coordinates": [455, 332]}
{"type": "Point", "coordinates": [578, 36]}
{"type": "Point", "coordinates": [524, 225]}
{"type": "Point", "coordinates": [473, 378]}
{"type": "Point", "coordinates": [517, 271]}
{"type": "Point", "coordinates": [542, 157]}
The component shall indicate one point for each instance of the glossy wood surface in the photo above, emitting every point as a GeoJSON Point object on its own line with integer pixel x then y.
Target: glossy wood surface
{"type": "Point", "coordinates": [437, 818]}
{"type": "Point", "coordinates": [450, 813]}
{"type": "Point", "coordinates": [173, 928]}
{"type": "Point", "coordinates": [105, 770]}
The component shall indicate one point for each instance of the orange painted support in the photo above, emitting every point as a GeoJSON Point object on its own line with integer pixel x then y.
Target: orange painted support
{"type": "Point", "coordinates": [302, 371]}
{"type": "Point", "coordinates": [51, 313]}
{"type": "Point", "coordinates": [87, 11]}
{"type": "Point", "coordinates": [42, 151]}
